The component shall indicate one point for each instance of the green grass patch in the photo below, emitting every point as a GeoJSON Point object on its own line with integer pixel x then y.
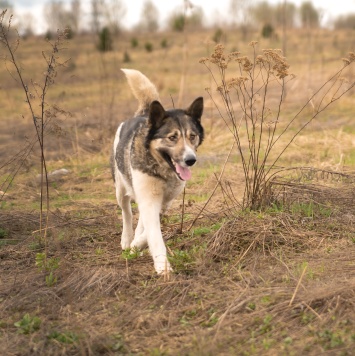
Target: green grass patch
{"type": "Point", "coordinates": [66, 337]}
{"type": "Point", "coordinates": [28, 324]}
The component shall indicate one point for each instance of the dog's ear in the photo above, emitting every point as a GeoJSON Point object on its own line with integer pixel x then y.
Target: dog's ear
{"type": "Point", "coordinates": [196, 109]}
{"type": "Point", "coordinates": [156, 114]}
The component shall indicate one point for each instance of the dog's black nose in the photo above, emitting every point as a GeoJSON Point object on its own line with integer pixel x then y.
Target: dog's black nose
{"type": "Point", "coordinates": [190, 161]}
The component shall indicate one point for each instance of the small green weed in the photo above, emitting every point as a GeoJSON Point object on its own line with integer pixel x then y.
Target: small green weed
{"type": "Point", "coordinates": [251, 306]}
{"type": "Point", "coordinates": [118, 344]}
{"type": "Point", "coordinates": [329, 339]}
{"type": "Point", "coordinates": [157, 352]}
{"type": "Point", "coordinates": [3, 233]}
{"type": "Point", "coordinates": [311, 209]}
{"type": "Point", "coordinates": [99, 251]}
{"type": "Point", "coordinates": [212, 320]}
{"type": "Point", "coordinates": [204, 230]}
{"type": "Point", "coordinates": [182, 260]}
{"type": "Point", "coordinates": [51, 279]}
{"type": "Point", "coordinates": [47, 265]}
{"type": "Point", "coordinates": [275, 207]}
{"type": "Point", "coordinates": [306, 318]}
{"type": "Point", "coordinates": [200, 231]}
{"type": "Point", "coordinates": [131, 253]}
{"type": "Point", "coordinates": [266, 299]}
{"type": "Point", "coordinates": [67, 337]}
{"type": "Point", "coordinates": [28, 324]}
{"type": "Point", "coordinates": [3, 238]}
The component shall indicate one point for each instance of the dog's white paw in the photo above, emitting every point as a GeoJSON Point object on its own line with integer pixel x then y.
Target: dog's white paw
{"type": "Point", "coordinates": [126, 240]}
{"type": "Point", "coordinates": [125, 244]}
{"type": "Point", "coordinates": [139, 242]}
{"type": "Point", "coordinates": [162, 265]}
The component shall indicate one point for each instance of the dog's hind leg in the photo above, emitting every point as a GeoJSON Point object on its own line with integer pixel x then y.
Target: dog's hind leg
{"type": "Point", "coordinates": [124, 201]}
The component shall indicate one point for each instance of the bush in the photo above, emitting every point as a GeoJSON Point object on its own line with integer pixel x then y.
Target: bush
{"type": "Point", "coordinates": [217, 35]}
{"type": "Point", "coordinates": [69, 33]}
{"type": "Point", "coordinates": [48, 35]}
{"type": "Point", "coordinates": [267, 31]}
{"type": "Point", "coordinates": [344, 22]}
{"type": "Point", "coordinates": [105, 40]}
{"type": "Point", "coordinates": [164, 43]}
{"type": "Point", "coordinates": [134, 42]}
{"type": "Point", "coordinates": [257, 135]}
{"type": "Point", "coordinates": [148, 47]}
{"type": "Point", "coordinates": [178, 22]}
{"type": "Point", "coordinates": [126, 57]}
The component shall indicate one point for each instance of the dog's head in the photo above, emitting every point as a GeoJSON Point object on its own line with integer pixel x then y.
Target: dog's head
{"type": "Point", "coordinates": [174, 136]}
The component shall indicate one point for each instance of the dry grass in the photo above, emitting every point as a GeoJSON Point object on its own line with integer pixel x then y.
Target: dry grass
{"type": "Point", "coordinates": [280, 281]}
{"type": "Point", "coordinates": [265, 283]}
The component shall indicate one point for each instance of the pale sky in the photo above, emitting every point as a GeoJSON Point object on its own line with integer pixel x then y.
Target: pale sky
{"type": "Point", "coordinates": [214, 10]}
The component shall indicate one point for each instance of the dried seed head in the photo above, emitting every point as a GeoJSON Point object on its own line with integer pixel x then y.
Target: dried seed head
{"type": "Point", "coordinates": [245, 62]}
{"type": "Point", "coordinates": [236, 82]}
{"type": "Point", "coordinates": [203, 60]}
{"type": "Point", "coordinates": [279, 64]}
{"type": "Point", "coordinates": [233, 55]}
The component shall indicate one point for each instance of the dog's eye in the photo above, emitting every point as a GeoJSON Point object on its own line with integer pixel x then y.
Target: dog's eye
{"type": "Point", "coordinates": [192, 137]}
{"type": "Point", "coordinates": [173, 137]}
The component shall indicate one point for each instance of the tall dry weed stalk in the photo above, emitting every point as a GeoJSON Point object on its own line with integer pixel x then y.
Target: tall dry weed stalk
{"type": "Point", "coordinates": [251, 94]}
{"type": "Point", "coordinates": [35, 93]}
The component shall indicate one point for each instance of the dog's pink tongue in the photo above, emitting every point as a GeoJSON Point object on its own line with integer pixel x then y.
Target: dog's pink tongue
{"type": "Point", "coordinates": [184, 173]}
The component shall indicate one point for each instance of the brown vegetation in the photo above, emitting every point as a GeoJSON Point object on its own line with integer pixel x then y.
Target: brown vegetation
{"type": "Point", "coordinates": [274, 281]}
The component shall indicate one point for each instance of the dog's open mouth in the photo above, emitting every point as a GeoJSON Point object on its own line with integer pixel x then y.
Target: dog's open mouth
{"type": "Point", "coordinates": [183, 173]}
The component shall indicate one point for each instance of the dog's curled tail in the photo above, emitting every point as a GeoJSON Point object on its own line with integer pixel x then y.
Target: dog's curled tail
{"type": "Point", "coordinates": [142, 88]}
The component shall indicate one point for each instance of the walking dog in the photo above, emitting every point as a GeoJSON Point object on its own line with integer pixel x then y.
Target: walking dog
{"type": "Point", "coordinates": [151, 160]}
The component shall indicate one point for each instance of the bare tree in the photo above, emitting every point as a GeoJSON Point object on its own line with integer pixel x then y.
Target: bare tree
{"type": "Point", "coordinates": [263, 13]}
{"type": "Point", "coordinates": [238, 10]}
{"type": "Point", "coordinates": [107, 13]}
{"type": "Point", "coordinates": [6, 5]}
{"type": "Point", "coordinates": [54, 15]}
{"type": "Point", "coordinates": [58, 17]}
{"type": "Point", "coordinates": [285, 14]}
{"type": "Point", "coordinates": [309, 15]}
{"type": "Point", "coordinates": [75, 15]}
{"type": "Point", "coordinates": [25, 24]}
{"type": "Point", "coordinates": [149, 17]}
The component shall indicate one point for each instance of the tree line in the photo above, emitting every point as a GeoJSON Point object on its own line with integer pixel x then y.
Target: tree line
{"type": "Point", "coordinates": [94, 16]}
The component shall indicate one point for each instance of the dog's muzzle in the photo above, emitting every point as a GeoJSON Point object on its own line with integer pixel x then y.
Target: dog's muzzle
{"type": "Point", "coordinates": [190, 160]}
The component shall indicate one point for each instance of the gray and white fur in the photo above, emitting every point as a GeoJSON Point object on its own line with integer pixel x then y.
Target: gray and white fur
{"type": "Point", "coordinates": [151, 160]}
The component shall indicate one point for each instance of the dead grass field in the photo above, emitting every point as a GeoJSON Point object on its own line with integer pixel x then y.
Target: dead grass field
{"type": "Point", "coordinates": [275, 282]}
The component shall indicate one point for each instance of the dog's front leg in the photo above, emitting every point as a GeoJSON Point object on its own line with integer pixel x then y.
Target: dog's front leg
{"type": "Point", "coordinates": [150, 215]}
{"type": "Point", "coordinates": [149, 192]}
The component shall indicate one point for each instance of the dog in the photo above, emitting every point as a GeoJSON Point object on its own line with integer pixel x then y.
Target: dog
{"type": "Point", "coordinates": [151, 160]}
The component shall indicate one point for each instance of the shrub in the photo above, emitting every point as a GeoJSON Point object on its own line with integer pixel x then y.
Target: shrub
{"type": "Point", "coordinates": [178, 22]}
{"type": "Point", "coordinates": [148, 46]}
{"type": "Point", "coordinates": [105, 40]}
{"type": "Point", "coordinates": [267, 31]}
{"type": "Point", "coordinates": [134, 42]}
{"type": "Point", "coordinates": [252, 115]}
{"type": "Point", "coordinates": [126, 57]}
{"type": "Point", "coordinates": [217, 35]}
{"type": "Point", "coordinates": [164, 43]}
